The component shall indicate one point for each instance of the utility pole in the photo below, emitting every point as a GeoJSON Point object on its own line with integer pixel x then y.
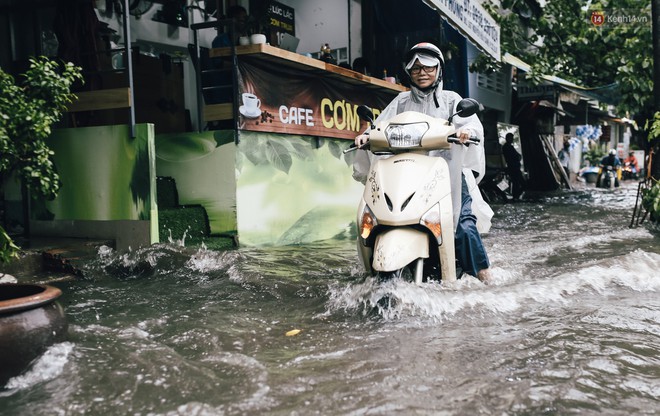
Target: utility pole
{"type": "Point", "coordinates": [655, 17]}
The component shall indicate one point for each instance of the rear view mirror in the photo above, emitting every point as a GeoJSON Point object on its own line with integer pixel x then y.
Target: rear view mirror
{"type": "Point", "coordinates": [466, 108]}
{"type": "Point", "coordinates": [365, 113]}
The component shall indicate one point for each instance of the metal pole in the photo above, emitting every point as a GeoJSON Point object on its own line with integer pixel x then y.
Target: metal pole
{"type": "Point", "coordinates": [234, 81]}
{"type": "Point", "coordinates": [129, 66]}
{"type": "Point", "coordinates": [350, 59]}
{"type": "Point", "coordinates": [198, 81]}
{"type": "Point", "coordinates": [655, 17]}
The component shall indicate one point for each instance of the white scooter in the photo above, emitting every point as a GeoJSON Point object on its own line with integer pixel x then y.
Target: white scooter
{"type": "Point", "coordinates": [608, 177]}
{"type": "Point", "coordinates": [405, 218]}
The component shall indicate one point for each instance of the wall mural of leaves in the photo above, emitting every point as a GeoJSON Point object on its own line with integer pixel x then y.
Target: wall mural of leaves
{"type": "Point", "coordinates": [294, 189]}
{"type": "Point", "coordinates": [278, 155]}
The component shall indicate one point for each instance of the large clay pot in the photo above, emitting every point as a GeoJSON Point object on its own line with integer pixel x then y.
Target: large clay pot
{"type": "Point", "coordinates": [30, 321]}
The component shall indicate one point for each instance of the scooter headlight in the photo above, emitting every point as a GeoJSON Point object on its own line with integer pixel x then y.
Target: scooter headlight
{"type": "Point", "coordinates": [367, 223]}
{"type": "Point", "coordinates": [406, 135]}
{"type": "Point", "coordinates": [431, 220]}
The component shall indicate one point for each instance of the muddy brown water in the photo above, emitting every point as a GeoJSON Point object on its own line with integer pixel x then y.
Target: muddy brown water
{"type": "Point", "coordinates": [570, 326]}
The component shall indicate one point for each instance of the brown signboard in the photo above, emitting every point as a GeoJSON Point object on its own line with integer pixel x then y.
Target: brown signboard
{"type": "Point", "coordinates": [283, 99]}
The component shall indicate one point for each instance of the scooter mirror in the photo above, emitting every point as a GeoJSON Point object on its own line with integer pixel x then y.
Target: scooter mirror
{"type": "Point", "coordinates": [365, 113]}
{"type": "Point", "coordinates": [466, 107]}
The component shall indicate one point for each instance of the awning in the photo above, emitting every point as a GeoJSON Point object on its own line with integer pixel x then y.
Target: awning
{"type": "Point", "coordinates": [607, 94]}
{"type": "Point", "coordinates": [520, 64]}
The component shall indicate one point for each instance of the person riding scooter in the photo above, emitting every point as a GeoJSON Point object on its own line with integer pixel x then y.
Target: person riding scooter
{"type": "Point", "coordinates": [630, 166]}
{"type": "Point", "coordinates": [424, 64]}
{"type": "Point", "coordinates": [610, 161]}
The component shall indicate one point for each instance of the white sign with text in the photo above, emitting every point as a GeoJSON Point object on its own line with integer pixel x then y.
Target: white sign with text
{"type": "Point", "coordinates": [470, 18]}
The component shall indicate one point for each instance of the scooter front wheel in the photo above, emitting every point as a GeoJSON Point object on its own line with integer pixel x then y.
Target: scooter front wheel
{"type": "Point", "coordinates": [403, 273]}
{"type": "Point", "coordinates": [413, 272]}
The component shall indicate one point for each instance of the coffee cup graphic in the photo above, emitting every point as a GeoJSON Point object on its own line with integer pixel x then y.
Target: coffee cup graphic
{"type": "Point", "coordinates": [251, 107]}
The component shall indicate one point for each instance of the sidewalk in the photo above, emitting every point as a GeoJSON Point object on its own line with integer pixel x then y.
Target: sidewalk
{"type": "Point", "coordinates": [46, 260]}
{"type": "Point", "coordinates": [50, 259]}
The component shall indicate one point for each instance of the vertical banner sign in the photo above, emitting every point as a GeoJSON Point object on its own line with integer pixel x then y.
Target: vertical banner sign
{"type": "Point", "coordinates": [282, 20]}
{"type": "Point", "coordinates": [282, 99]}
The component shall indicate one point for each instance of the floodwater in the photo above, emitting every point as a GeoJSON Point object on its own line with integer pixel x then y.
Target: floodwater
{"type": "Point", "coordinates": [570, 326]}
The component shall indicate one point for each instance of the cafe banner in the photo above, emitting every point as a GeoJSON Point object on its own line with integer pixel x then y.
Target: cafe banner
{"type": "Point", "coordinates": [281, 99]}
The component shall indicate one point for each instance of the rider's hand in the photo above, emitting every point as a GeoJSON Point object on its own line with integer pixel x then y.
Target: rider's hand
{"type": "Point", "coordinates": [361, 140]}
{"type": "Point", "coordinates": [463, 135]}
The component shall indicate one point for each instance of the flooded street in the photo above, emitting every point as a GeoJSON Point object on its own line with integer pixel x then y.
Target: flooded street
{"type": "Point", "coordinates": [570, 326]}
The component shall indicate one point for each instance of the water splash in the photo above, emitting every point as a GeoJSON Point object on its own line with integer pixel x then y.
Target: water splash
{"type": "Point", "coordinates": [511, 291]}
{"type": "Point", "coordinates": [205, 260]}
{"type": "Point", "coordinates": [47, 367]}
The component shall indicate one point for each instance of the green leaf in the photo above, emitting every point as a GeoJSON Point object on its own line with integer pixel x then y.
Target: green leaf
{"type": "Point", "coordinates": [335, 149]}
{"type": "Point", "coordinates": [278, 156]}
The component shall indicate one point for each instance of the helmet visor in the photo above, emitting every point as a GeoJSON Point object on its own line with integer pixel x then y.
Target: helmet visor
{"type": "Point", "coordinates": [423, 59]}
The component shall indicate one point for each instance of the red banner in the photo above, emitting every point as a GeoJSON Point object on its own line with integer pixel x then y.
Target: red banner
{"type": "Point", "coordinates": [282, 99]}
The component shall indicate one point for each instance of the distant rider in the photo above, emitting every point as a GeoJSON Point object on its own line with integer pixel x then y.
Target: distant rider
{"type": "Point", "coordinates": [424, 64]}
{"type": "Point", "coordinates": [631, 161]}
{"type": "Point", "coordinates": [610, 160]}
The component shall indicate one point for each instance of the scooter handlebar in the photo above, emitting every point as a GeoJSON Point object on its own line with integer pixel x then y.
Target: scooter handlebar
{"type": "Point", "coordinates": [451, 139]}
{"type": "Point", "coordinates": [350, 148]}
{"type": "Point", "coordinates": [353, 147]}
{"type": "Point", "coordinates": [456, 140]}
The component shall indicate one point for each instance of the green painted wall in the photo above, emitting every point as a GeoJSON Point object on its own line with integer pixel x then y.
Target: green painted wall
{"type": "Point", "coordinates": [105, 174]}
{"type": "Point", "coordinates": [202, 165]}
{"type": "Point", "coordinates": [271, 189]}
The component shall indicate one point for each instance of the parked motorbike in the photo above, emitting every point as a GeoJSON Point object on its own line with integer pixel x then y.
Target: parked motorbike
{"type": "Point", "coordinates": [495, 186]}
{"type": "Point", "coordinates": [405, 218]}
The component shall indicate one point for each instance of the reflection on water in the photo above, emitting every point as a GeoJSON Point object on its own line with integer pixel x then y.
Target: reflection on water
{"type": "Point", "coordinates": [571, 325]}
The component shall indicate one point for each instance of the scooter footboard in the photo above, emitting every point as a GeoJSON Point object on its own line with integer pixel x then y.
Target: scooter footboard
{"type": "Point", "coordinates": [398, 247]}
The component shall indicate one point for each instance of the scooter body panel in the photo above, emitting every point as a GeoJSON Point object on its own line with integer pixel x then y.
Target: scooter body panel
{"type": "Point", "coordinates": [399, 191]}
{"type": "Point", "coordinates": [401, 188]}
{"type": "Point", "coordinates": [398, 247]}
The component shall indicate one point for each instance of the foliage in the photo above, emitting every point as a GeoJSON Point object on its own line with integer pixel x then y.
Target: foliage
{"type": "Point", "coordinates": [560, 39]}
{"type": "Point", "coordinates": [280, 152]}
{"type": "Point", "coordinates": [27, 112]}
{"type": "Point", "coordinates": [8, 250]}
{"type": "Point", "coordinates": [28, 109]}
{"type": "Point", "coordinates": [654, 127]}
{"type": "Point", "coordinates": [651, 200]}
{"type": "Point", "coordinates": [594, 155]}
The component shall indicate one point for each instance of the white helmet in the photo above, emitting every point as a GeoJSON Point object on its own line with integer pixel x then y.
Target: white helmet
{"type": "Point", "coordinates": [429, 55]}
{"type": "Point", "coordinates": [612, 152]}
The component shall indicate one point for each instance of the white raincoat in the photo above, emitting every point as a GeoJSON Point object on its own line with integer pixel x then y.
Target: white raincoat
{"type": "Point", "coordinates": [458, 157]}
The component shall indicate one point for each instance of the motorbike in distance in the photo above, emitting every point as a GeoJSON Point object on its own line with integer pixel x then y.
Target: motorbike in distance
{"type": "Point", "coordinates": [608, 177]}
{"type": "Point", "coordinates": [405, 219]}
{"type": "Point", "coordinates": [629, 171]}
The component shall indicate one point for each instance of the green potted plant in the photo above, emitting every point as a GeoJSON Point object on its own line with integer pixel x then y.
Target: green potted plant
{"type": "Point", "coordinates": [593, 157]}
{"type": "Point", "coordinates": [651, 190]}
{"type": "Point", "coordinates": [651, 200]}
{"type": "Point", "coordinates": [28, 109]}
